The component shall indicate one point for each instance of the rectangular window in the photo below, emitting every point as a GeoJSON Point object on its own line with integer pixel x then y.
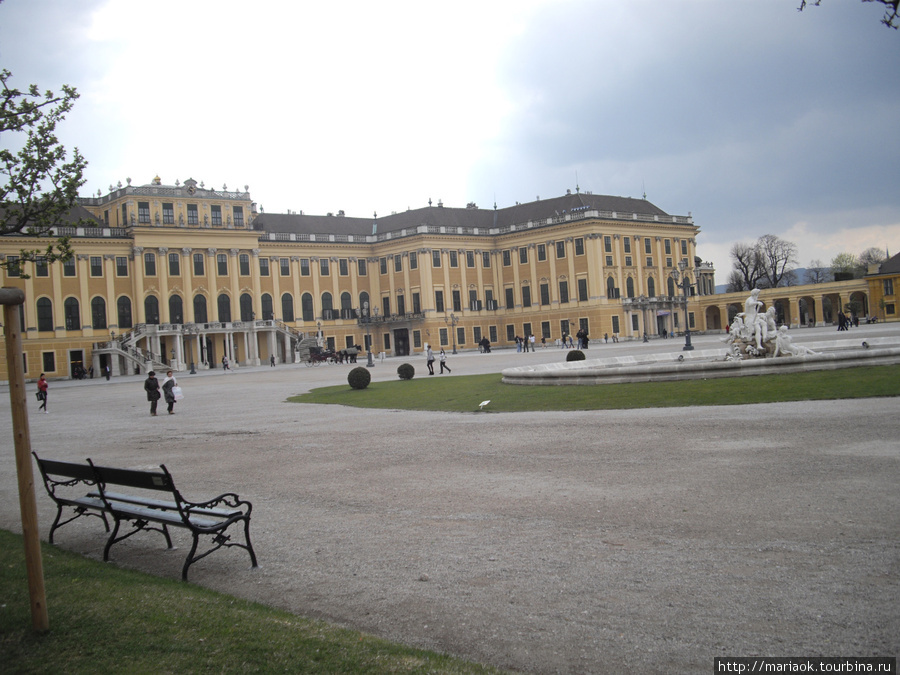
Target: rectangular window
{"type": "Point", "coordinates": [222, 264]}
{"type": "Point", "coordinates": [460, 335]}
{"type": "Point", "coordinates": [215, 215]}
{"type": "Point", "coordinates": [648, 247]}
{"type": "Point", "coordinates": [474, 303]}
{"type": "Point", "coordinates": [609, 261]}
{"type": "Point", "coordinates": [523, 255]}
{"type": "Point", "coordinates": [526, 296]}
{"type": "Point", "coordinates": [507, 258]}
{"type": "Point", "coordinates": [49, 361]}
{"type": "Point", "coordinates": [668, 262]}
{"type": "Point", "coordinates": [144, 212]}
{"type": "Point", "coordinates": [615, 325]}
{"type": "Point", "coordinates": [649, 261]}
{"type": "Point", "coordinates": [470, 259]}
{"type": "Point", "coordinates": [626, 241]}
{"type": "Point", "coordinates": [285, 266]}
{"type": "Point", "coordinates": [444, 339]}
{"type": "Point", "coordinates": [439, 301]}
{"type": "Point", "coordinates": [382, 265]}
{"type": "Point", "coordinates": [668, 245]}
{"type": "Point", "coordinates": [545, 330]}
{"type": "Point", "coordinates": [174, 264]}
{"type": "Point", "coordinates": [435, 258]}
{"type": "Point", "coordinates": [244, 265]}
{"type": "Point", "coordinates": [889, 308]}
{"type": "Point", "coordinates": [263, 267]}
{"type": "Point", "coordinates": [398, 263]}
{"type": "Point", "coordinates": [635, 325]}
{"type": "Point", "coordinates": [343, 267]}
{"type": "Point", "coordinates": [13, 268]}
{"type": "Point", "coordinates": [888, 286]}
{"type": "Point", "coordinates": [401, 305]}
{"type": "Point", "coordinates": [69, 267]}
{"type": "Point", "coordinates": [324, 269]}
{"type": "Point", "coordinates": [476, 334]}
{"type": "Point", "coordinates": [579, 246]}
{"type": "Point", "coordinates": [96, 266]}
{"type": "Point", "coordinates": [199, 265]}
{"type": "Point", "coordinates": [510, 298]}
{"type": "Point", "coordinates": [492, 333]}
{"type": "Point", "coordinates": [193, 215]}
{"type": "Point", "coordinates": [362, 269]}
{"type": "Point", "coordinates": [454, 259]}
{"type": "Point", "coordinates": [150, 264]}
{"type": "Point", "coordinates": [526, 329]}
{"type": "Point", "coordinates": [627, 261]}
{"type": "Point", "coordinates": [563, 291]}
{"type": "Point", "coordinates": [238, 213]}
{"type": "Point", "coordinates": [684, 247]}
{"type": "Point", "coordinates": [457, 300]}
{"type": "Point", "coordinates": [691, 319]}
{"type": "Point", "coordinates": [541, 252]}
{"type": "Point", "coordinates": [582, 290]}
{"type": "Point", "coordinates": [510, 332]}
{"type": "Point", "coordinates": [545, 294]}
{"type": "Point", "coordinates": [489, 299]}
{"type": "Point", "coordinates": [417, 339]}
{"type": "Point", "coordinates": [41, 268]}
{"type": "Point", "coordinates": [486, 259]}
{"type": "Point", "coordinates": [607, 244]}
{"type": "Point", "coordinates": [560, 250]}
{"type": "Point", "coordinates": [168, 214]}
{"type": "Point", "coordinates": [106, 217]}
{"type": "Point", "coordinates": [417, 303]}
{"type": "Point", "coordinates": [413, 260]}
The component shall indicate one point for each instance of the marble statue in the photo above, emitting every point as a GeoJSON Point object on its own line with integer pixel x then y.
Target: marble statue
{"type": "Point", "coordinates": [784, 345]}
{"type": "Point", "coordinates": [755, 334]}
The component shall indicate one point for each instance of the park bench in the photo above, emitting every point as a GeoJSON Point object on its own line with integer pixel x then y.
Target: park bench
{"type": "Point", "coordinates": [140, 507]}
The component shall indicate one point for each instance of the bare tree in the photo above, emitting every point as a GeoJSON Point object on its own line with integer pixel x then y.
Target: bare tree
{"type": "Point", "coordinates": [871, 256]}
{"type": "Point", "coordinates": [777, 257]}
{"type": "Point", "coordinates": [736, 282]}
{"type": "Point", "coordinates": [816, 273]}
{"type": "Point", "coordinates": [891, 8]}
{"type": "Point", "coordinates": [745, 263]}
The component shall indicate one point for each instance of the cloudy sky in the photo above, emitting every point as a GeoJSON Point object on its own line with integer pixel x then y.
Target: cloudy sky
{"type": "Point", "coordinates": [752, 117]}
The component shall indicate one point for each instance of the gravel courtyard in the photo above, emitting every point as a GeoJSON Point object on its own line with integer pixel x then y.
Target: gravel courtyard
{"type": "Point", "coordinates": [587, 542]}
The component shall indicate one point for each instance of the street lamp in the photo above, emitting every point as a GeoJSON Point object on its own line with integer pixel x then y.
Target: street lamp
{"type": "Point", "coordinates": [453, 321]}
{"type": "Point", "coordinates": [191, 332]}
{"type": "Point", "coordinates": [365, 312]}
{"type": "Point", "coordinates": [686, 287]}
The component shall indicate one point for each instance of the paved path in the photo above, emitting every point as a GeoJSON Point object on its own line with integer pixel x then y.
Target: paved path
{"type": "Point", "coordinates": [622, 541]}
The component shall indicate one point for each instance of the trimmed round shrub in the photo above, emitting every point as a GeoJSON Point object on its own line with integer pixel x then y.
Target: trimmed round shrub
{"type": "Point", "coordinates": [406, 371]}
{"type": "Point", "coordinates": [575, 355]}
{"type": "Point", "coordinates": [359, 378]}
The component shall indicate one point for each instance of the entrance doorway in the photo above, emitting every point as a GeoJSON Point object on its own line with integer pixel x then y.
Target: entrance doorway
{"type": "Point", "coordinates": [76, 364]}
{"type": "Point", "coordinates": [401, 342]}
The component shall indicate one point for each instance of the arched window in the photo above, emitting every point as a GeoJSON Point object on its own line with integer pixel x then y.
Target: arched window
{"type": "Point", "coordinates": [287, 307]}
{"type": "Point", "coordinates": [73, 316]}
{"type": "Point", "coordinates": [151, 309]}
{"type": "Point", "coordinates": [176, 309]}
{"type": "Point", "coordinates": [629, 287]}
{"type": "Point", "coordinates": [246, 303]}
{"type": "Point", "coordinates": [45, 314]}
{"type": "Point", "coordinates": [671, 286]}
{"type": "Point", "coordinates": [200, 315]}
{"type": "Point", "coordinates": [610, 288]}
{"type": "Point", "coordinates": [306, 306]}
{"type": "Point", "coordinates": [363, 299]}
{"type": "Point", "coordinates": [123, 307]}
{"type": "Point", "coordinates": [327, 307]}
{"type": "Point", "coordinates": [224, 304]}
{"type": "Point", "coordinates": [651, 287]}
{"type": "Point", "coordinates": [98, 313]}
{"type": "Point", "coordinates": [265, 302]}
{"type": "Point", "coordinates": [346, 306]}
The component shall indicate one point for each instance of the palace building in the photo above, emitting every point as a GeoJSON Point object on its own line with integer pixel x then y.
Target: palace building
{"type": "Point", "coordinates": [181, 275]}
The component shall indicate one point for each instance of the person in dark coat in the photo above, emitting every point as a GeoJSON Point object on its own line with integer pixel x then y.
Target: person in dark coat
{"type": "Point", "coordinates": [151, 386]}
{"type": "Point", "coordinates": [168, 386]}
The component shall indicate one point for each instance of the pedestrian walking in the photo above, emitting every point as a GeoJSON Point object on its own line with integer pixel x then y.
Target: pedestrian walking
{"type": "Point", "coordinates": [151, 386]}
{"type": "Point", "coordinates": [429, 359]}
{"type": "Point", "coordinates": [224, 363]}
{"type": "Point", "coordinates": [272, 360]}
{"type": "Point", "coordinates": [444, 362]}
{"type": "Point", "coordinates": [42, 394]}
{"type": "Point", "coordinates": [168, 387]}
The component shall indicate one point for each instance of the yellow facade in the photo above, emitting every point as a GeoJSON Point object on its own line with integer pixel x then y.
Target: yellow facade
{"type": "Point", "coordinates": [170, 275]}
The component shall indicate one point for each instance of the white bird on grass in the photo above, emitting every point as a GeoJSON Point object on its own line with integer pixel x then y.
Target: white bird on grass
{"type": "Point", "coordinates": [483, 403]}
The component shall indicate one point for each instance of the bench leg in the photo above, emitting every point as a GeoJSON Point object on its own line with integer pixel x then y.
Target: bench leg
{"type": "Point", "coordinates": [139, 526]}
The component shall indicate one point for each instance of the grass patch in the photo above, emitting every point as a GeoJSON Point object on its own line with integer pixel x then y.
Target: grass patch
{"type": "Point", "coordinates": [464, 393]}
{"type": "Point", "coordinates": [104, 619]}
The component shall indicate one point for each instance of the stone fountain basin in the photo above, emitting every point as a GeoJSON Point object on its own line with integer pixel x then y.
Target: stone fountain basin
{"type": "Point", "coordinates": [704, 364]}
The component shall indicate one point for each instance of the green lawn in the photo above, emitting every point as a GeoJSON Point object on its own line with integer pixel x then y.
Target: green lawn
{"type": "Point", "coordinates": [464, 393]}
{"type": "Point", "coordinates": [104, 619]}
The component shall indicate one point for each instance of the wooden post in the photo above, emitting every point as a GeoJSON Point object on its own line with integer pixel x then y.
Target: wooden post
{"type": "Point", "coordinates": [12, 299]}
